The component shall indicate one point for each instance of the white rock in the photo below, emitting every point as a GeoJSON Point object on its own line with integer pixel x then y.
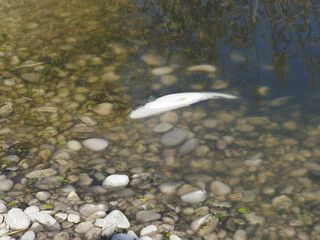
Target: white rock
{"type": "Point", "coordinates": [60, 217]}
{"type": "Point", "coordinates": [73, 196]}
{"type": "Point", "coordinates": [169, 188]}
{"type": "Point", "coordinates": [74, 218]}
{"type": "Point", "coordinates": [29, 235]}
{"type": "Point", "coordinates": [99, 214]}
{"type": "Point", "coordinates": [17, 219]}
{"type": "Point", "coordinates": [46, 220]}
{"type": "Point", "coordinates": [6, 185]}
{"type": "Point", "coordinates": [31, 209]}
{"type": "Point", "coordinates": [36, 227]}
{"type": "Point", "coordinates": [83, 227]}
{"type": "Point", "coordinates": [149, 230]}
{"type": "Point", "coordinates": [99, 222]}
{"type": "Point", "coordinates": [43, 195]}
{"type": "Point", "coordinates": [195, 196]}
{"type": "Point", "coordinates": [3, 231]}
{"type": "Point", "coordinates": [118, 218]}
{"type": "Point", "coordinates": [1, 219]}
{"type": "Point", "coordinates": [5, 238]}
{"type": "Point", "coordinates": [109, 229]}
{"type": "Point", "coordinates": [220, 188]}
{"type": "Point", "coordinates": [95, 144]}
{"type": "Point", "coordinates": [174, 237]}
{"type": "Point", "coordinates": [74, 145]}
{"type": "Point", "coordinates": [115, 182]}
{"type": "Point", "coordinates": [3, 208]}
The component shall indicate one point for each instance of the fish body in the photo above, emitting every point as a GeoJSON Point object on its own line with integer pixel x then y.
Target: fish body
{"type": "Point", "coordinates": [174, 101]}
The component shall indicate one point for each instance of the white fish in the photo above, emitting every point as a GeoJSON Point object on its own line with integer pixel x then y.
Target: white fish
{"type": "Point", "coordinates": [174, 101]}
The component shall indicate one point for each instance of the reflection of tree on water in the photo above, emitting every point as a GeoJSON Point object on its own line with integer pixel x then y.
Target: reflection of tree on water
{"type": "Point", "coordinates": [281, 33]}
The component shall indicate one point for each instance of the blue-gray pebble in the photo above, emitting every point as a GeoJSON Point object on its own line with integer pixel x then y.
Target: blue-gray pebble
{"type": "Point", "coordinates": [122, 236]}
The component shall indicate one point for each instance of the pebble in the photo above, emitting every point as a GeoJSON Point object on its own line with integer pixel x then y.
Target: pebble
{"type": "Point", "coordinates": [205, 224]}
{"type": "Point", "coordinates": [162, 70]}
{"type": "Point", "coordinates": [74, 145]}
{"type": "Point", "coordinates": [95, 144]}
{"type": "Point", "coordinates": [103, 109]}
{"type": "Point", "coordinates": [290, 125]}
{"type": "Point", "coordinates": [168, 80]}
{"type": "Point", "coordinates": [253, 162]}
{"type": "Point", "coordinates": [88, 209]}
{"type": "Point", "coordinates": [189, 146]}
{"type": "Point", "coordinates": [116, 182]}
{"type": "Point", "coordinates": [46, 220]}
{"type": "Point", "coordinates": [29, 235]}
{"type": "Point", "coordinates": [61, 236]}
{"type": "Point", "coordinates": [153, 60]}
{"type": "Point", "coordinates": [219, 188]}
{"type": "Point", "coordinates": [147, 216]}
{"type": "Point", "coordinates": [42, 173]}
{"type": "Point", "coordinates": [6, 185]}
{"type": "Point", "coordinates": [122, 236]}
{"type": "Point", "coordinates": [240, 235]}
{"type": "Point", "coordinates": [118, 218]}
{"type": "Point", "coordinates": [195, 196]}
{"type": "Point", "coordinates": [149, 230]}
{"type": "Point", "coordinates": [89, 121]}
{"type": "Point", "coordinates": [73, 196]}
{"type": "Point", "coordinates": [210, 123]}
{"type": "Point", "coordinates": [6, 108]}
{"type": "Point", "coordinates": [204, 68]}
{"type": "Point", "coordinates": [3, 208]}
{"type": "Point", "coordinates": [169, 188]}
{"type": "Point", "coordinates": [170, 117]}
{"type": "Point", "coordinates": [174, 137]}
{"type": "Point", "coordinates": [17, 219]}
{"type": "Point", "coordinates": [162, 127]}
{"type": "Point", "coordinates": [31, 76]}
{"type": "Point", "coordinates": [74, 218]}
{"type": "Point", "coordinates": [83, 227]}
{"type": "Point", "coordinates": [43, 195]}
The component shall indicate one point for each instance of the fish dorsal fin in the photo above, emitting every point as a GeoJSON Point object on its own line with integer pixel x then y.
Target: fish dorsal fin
{"type": "Point", "coordinates": [151, 99]}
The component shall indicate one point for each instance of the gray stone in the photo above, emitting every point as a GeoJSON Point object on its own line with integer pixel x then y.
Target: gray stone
{"type": "Point", "coordinates": [174, 137]}
{"type": "Point", "coordinates": [195, 196]}
{"type": "Point", "coordinates": [83, 227]}
{"type": "Point", "coordinates": [147, 216]}
{"type": "Point", "coordinates": [163, 127]}
{"type": "Point", "coordinates": [17, 219]}
{"type": "Point", "coordinates": [219, 188]}
{"type": "Point", "coordinates": [189, 146]}
{"type": "Point", "coordinates": [93, 233]}
{"type": "Point", "coordinates": [240, 235]}
{"type": "Point", "coordinates": [168, 80]}
{"type": "Point", "coordinates": [122, 236]}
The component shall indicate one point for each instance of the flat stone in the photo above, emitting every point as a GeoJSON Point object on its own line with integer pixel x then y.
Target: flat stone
{"type": "Point", "coordinates": [29, 235]}
{"type": "Point", "coordinates": [31, 76]}
{"type": "Point", "coordinates": [103, 109]}
{"type": "Point", "coordinates": [170, 117]}
{"type": "Point", "coordinates": [122, 236]}
{"type": "Point", "coordinates": [6, 108]}
{"type": "Point", "coordinates": [162, 70]}
{"type": "Point", "coordinates": [42, 173]}
{"type": "Point", "coordinates": [168, 80]}
{"type": "Point", "coordinates": [169, 188]}
{"type": "Point", "coordinates": [149, 230]}
{"type": "Point", "coordinates": [194, 196]}
{"type": "Point", "coordinates": [17, 219]}
{"type": "Point", "coordinates": [174, 137]}
{"type": "Point", "coordinates": [43, 195]}
{"type": "Point", "coordinates": [46, 220]}
{"type": "Point", "coordinates": [83, 227]}
{"type": "Point", "coordinates": [116, 182]}
{"type": "Point", "coordinates": [162, 127]}
{"type": "Point", "coordinates": [189, 146]}
{"type": "Point", "coordinates": [153, 60]}
{"type": "Point", "coordinates": [147, 216]}
{"type": "Point", "coordinates": [95, 144]}
{"type": "Point", "coordinates": [210, 123]}
{"type": "Point", "coordinates": [203, 68]}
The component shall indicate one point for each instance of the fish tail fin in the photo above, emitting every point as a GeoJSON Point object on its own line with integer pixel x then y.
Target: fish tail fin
{"type": "Point", "coordinates": [221, 95]}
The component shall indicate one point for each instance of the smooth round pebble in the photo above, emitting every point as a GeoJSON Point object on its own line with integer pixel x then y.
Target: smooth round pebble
{"type": "Point", "coordinates": [162, 127]}
{"type": "Point", "coordinates": [219, 188]}
{"type": "Point", "coordinates": [115, 182]}
{"type": "Point", "coordinates": [195, 196]}
{"type": "Point", "coordinates": [74, 145]}
{"type": "Point", "coordinates": [174, 137]}
{"type": "Point", "coordinates": [95, 144]}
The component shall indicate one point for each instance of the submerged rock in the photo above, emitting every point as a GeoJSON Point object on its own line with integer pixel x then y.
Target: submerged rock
{"type": "Point", "coordinates": [195, 196]}
{"type": "Point", "coordinates": [116, 182]}
{"type": "Point", "coordinates": [204, 225]}
{"type": "Point", "coordinates": [17, 219]}
{"type": "Point", "coordinates": [204, 68]}
{"type": "Point", "coordinates": [189, 146]}
{"type": "Point", "coordinates": [6, 109]}
{"type": "Point", "coordinates": [95, 144]}
{"type": "Point", "coordinates": [174, 137]}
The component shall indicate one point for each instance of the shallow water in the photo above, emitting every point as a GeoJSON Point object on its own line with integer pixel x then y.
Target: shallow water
{"type": "Point", "coordinates": [60, 60]}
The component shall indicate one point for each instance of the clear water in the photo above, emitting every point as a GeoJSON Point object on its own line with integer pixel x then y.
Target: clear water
{"type": "Point", "coordinates": [263, 51]}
